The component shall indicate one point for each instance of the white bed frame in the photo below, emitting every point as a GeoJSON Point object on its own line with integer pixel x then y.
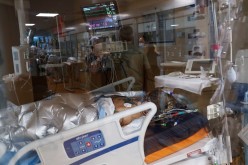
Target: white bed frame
{"type": "Point", "coordinates": [114, 84]}
{"type": "Point", "coordinates": [120, 148]}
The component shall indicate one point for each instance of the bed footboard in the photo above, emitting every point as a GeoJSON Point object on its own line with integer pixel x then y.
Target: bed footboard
{"type": "Point", "coordinates": [101, 142]}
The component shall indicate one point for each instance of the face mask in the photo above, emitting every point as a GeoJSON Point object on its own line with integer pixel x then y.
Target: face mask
{"type": "Point", "coordinates": [141, 44]}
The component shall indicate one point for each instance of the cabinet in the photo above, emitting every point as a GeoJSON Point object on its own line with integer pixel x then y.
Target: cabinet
{"type": "Point", "coordinates": [75, 45]}
{"type": "Point", "coordinates": [179, 34]}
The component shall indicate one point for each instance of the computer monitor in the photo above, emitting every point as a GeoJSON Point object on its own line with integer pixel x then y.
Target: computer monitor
{"type": "Point", "coordinates": [194, 66]}
{"type": "Point", "coordinates": [101, 15]}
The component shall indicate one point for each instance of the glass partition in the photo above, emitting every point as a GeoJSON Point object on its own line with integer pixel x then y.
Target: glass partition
{"type": "Point", "coordinates": [124, 81]}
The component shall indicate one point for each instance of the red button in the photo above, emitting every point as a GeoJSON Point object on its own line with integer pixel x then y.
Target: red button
{"type": "Point", "coordinates": [88, 144]}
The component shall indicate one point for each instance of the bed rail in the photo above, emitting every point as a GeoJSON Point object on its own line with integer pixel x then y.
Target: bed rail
{"type": "Point", "coordinates": [119, 148]}
{"type": "Point", "coordinates": [114, 84]}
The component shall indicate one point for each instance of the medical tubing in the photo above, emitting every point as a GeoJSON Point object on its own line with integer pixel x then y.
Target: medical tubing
{"type": "Point", "coordinates": [17, 98]}
{"type": "Point", "coordinates": [62, 68]}
{"type": "Point", "coordinates": [214, 21]}
{"type": "Point", "coordinates": [230, 31]}
{"type": "Point", "coordinates": [225, 128]}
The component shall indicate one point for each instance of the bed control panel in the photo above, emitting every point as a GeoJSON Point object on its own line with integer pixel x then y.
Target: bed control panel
{"type": "Point", "coordinates": [84, 143]}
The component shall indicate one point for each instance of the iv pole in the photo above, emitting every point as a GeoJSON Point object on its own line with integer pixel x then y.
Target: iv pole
{"type": "Point", "coordinates": [218, 52]}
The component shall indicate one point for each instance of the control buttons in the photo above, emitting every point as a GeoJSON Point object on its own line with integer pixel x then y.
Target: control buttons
{"type": "Point", "coordinates": [85, 143]}
{"type": "Point", "coordinates": [98, 141]}
{"type": "Point", "coordinates": [88, 144]}
{"type": "Point", "coordinates": [82, 147]}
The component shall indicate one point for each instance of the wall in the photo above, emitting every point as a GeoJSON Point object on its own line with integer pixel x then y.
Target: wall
{"type": "Point", "coordinates": [9, 36]}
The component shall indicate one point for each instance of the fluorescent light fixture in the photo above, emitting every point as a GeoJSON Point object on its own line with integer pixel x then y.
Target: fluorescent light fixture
{"type": "Point", "coordinates": [123, 15]}
{"type": "Point", "coordinates": [175, 25]}
{"type": "Point", "coordinates": [85, 24]}
{"type": "Point", "coordinates": [47, 14]}
{"type": "Point", "coordinates": [70, 28]}
{"type": "Point", "coordinates": [29, 24]}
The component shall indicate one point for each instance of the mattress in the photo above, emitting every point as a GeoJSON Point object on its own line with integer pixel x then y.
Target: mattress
{"type": "Point", "coordinates": [202, 133]}
{"type": "Point", "coordinates": [161, 141]}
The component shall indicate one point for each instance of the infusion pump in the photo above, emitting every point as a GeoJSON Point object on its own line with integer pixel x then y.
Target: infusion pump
{"type": "Point", "coordinates": [19, 62]}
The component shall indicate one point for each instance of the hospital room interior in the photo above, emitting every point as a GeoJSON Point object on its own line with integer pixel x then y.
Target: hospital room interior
{"type": "Point", "coordinates": [127, 82]}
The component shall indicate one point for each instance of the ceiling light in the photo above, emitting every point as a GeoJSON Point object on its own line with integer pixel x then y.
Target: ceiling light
{"type": "Point", "coordinates": [123, 15]}
{"type": "Point", "coordinates": [175, 25]}
{"type": "Point", "coordinates": [85, 24]}
{"type": "Point", "coordinates": [70, 28]}
{"type": "Point", "coordinates": [29, 24]}
{"type": "Point", "coordinates": [47, 14]}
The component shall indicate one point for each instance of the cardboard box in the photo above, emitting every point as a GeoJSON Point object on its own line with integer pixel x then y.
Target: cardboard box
{"type": "Point", "coordinates": [19, 89]}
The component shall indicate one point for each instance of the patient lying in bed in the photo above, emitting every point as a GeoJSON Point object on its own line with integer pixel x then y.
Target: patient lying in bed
{"type": "Point", "coordinates": [63, 111]}
{"type": "Point", "coordinates": [66, 111]}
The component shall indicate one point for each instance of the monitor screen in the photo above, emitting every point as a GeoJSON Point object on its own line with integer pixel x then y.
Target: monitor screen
{"type": "Point", "coordinates": [194, 66]}
{"type": "Point", "coordinates": [101, 15]}
{"type": "Point", "coordinates": [207, 65]}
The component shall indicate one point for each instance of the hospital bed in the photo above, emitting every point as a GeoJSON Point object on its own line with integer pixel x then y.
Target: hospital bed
{"type": "Point", "coordinates": [105, 142]}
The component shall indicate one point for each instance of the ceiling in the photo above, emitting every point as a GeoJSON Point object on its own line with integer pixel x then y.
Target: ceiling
{"type": "Point", "coordinates": [70, 12]}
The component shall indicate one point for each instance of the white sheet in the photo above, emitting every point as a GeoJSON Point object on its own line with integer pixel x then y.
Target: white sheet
{"type": "Point", "coordinates": [191, 84]}
{"type": "Point", "coordinates": [133, 126]}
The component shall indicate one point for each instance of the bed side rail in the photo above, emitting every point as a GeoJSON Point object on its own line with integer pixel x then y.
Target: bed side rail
{"type": "Point", "coordinates": [51, 149]}
{"type": "Point", "coordinates": [114, 84]}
